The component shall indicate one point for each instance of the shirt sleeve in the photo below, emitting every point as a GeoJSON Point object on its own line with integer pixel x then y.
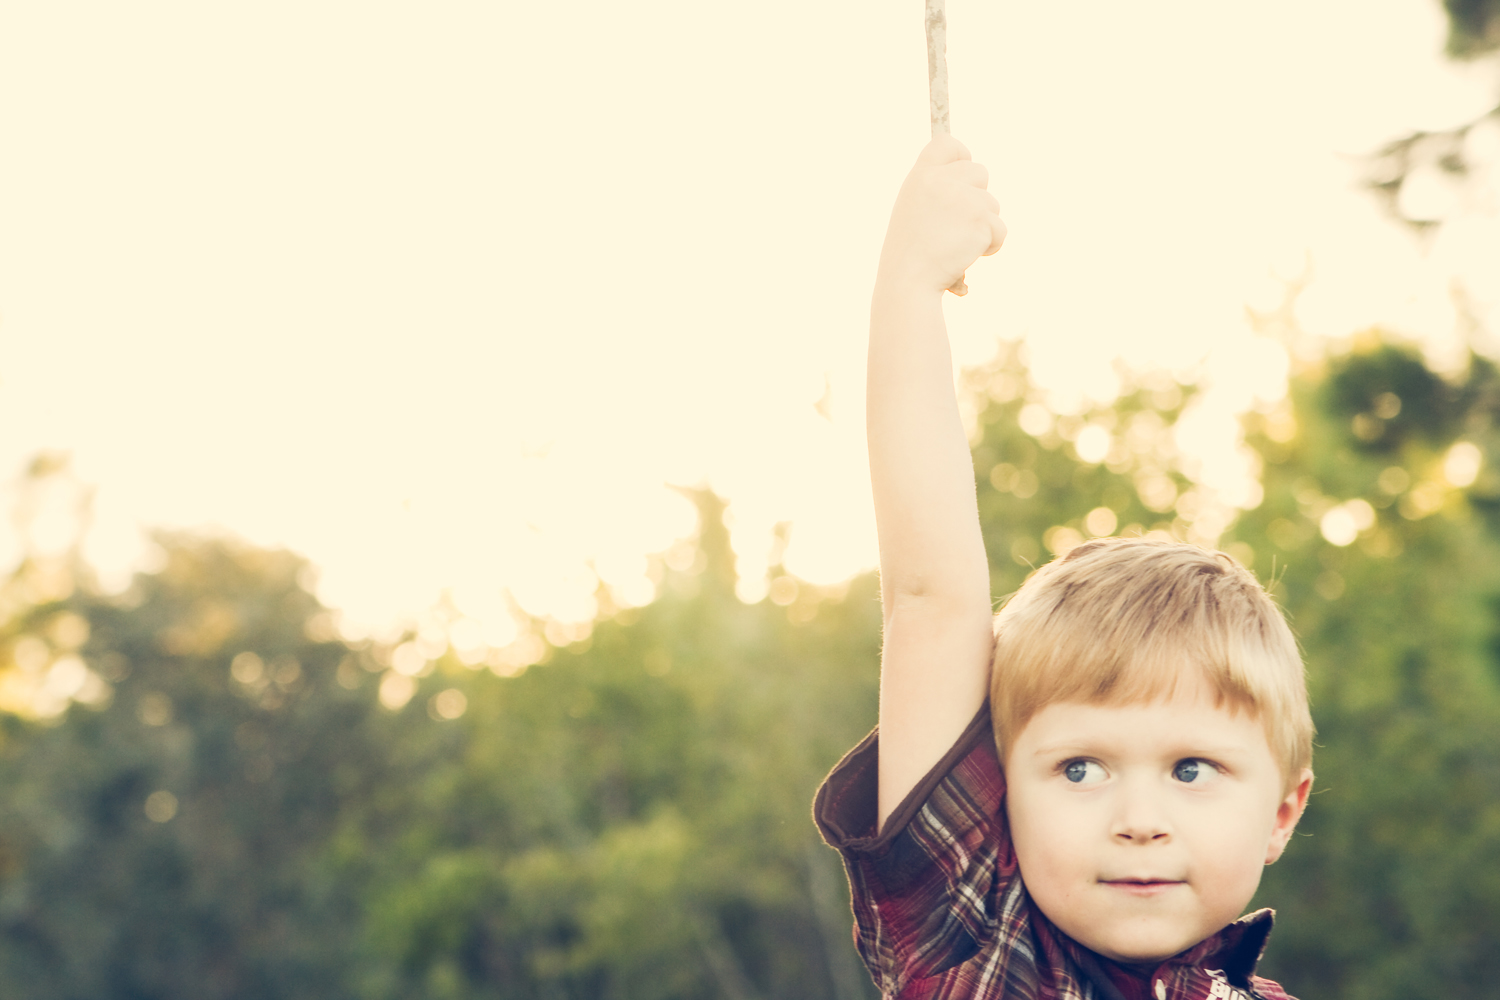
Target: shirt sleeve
{"type": "Point", "coordinates": [932, 888]}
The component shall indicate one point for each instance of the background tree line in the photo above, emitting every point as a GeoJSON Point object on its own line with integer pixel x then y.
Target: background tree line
{"type": "Point", "coordinates": [229, 805]}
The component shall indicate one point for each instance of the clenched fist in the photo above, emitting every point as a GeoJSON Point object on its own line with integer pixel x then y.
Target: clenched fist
{"type": "Point", "coordinates": [943, 221]}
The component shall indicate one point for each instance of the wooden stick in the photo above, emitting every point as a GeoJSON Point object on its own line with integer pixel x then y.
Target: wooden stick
{"type": "Point", "coordinates": [937, 66]}
{"type": "Point", "coordinates": [937, 85]}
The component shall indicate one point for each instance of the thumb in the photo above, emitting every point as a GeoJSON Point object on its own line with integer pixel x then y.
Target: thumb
{"type": "Point", "coordinates": [943, 149]}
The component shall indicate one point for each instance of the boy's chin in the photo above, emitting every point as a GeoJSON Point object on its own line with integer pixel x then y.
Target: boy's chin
{"type": "Point", "coordinates": [1147, 956]}
{"type": "Point", "coordinates": [1140, 946]}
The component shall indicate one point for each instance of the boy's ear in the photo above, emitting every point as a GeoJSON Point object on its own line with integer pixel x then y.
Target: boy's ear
{"type": "Point", "coordinates": [1288, 812]}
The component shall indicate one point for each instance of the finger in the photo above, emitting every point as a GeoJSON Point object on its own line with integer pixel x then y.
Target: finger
{"type": "Point", "coordinates": [997, 235]}
{"type": "Point", "coordinates": [969, 172]}
{"type": "Point", "coordinates": [943, 149]}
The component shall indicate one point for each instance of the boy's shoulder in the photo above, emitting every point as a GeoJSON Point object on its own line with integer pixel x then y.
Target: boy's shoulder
{"type": "Point", "coordinates": [964, 792]}
{"type": "Point", "coordinates": [938, 903]}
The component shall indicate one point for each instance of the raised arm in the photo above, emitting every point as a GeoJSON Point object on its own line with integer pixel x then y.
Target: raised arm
{"type": "Point", "coordinates": [934, 577]}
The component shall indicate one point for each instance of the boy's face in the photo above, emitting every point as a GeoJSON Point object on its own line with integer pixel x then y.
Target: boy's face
{"type": "Point", "coordinates": [1143, 829]}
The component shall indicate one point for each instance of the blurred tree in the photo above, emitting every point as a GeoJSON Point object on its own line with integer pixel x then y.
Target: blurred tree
{"type": "Point", "coordinates": [1473, 32]}
{"type": "Point", "coordinates": [204, 797]}
{"type": "Point", "coordinates": [1379, 529]}
{"type": "Point", "coordinates": [1473, 27]}
{"type": "Point", "coordinates": [630, 818]}
{"type": "Point", "coordinates": [163, 837]}
{"type": "Point", "coordinates": [1048, 481]}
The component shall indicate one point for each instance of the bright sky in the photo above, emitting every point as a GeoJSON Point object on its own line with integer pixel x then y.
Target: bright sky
{"type": "Point", "coordinates": [442, 295]}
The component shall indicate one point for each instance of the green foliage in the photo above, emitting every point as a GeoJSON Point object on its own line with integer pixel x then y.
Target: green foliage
{"type": "Point", "coordinates": [629, 817]}
{"type": "Point", "coordinates": [225, 899]}
{"type": "Point", "coordinates": [1473, 27]}
{"type": "Point", "coordinates": [1036, 494]}
{"type": "Point", "coordinates": [1473, 31]}
{"type": "Point", "coordinates": [1391, 890]}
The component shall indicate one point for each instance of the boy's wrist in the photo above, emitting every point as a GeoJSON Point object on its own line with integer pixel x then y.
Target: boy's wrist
{"type": "Point", "coordinates": [896, 281]}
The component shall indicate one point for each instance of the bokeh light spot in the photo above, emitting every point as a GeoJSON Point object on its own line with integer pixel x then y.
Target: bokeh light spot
{"type": "Point", "coordinates": [1361, 513]}
{"type": "Point", "coordinates": [407, 659]}
{"type": "Point", "coordinates": [1424, 499]}
{"type": "Point", "coordinates": [1093, 443]}
{"type": "Point", "coordinates": [396, 690]}
{"type": "Point", "coordinates": [1393, 480]}
{"type": "Point", "coordinates": [1035, 419]}
{"type": "Point", "coordinates": [1061, 540]}
{"type": "Point", "coordinates": [30, 654]}
{"type": "Point", "coordinates": [1461, 465]}
{"type": "Point", "coordinates": [1329, 585]}
{"type": "Point", "coordinates": [1157, 492]}
{"type": "Point", "coordinates": [161, 806]}
{"type": "Point", "coordinates": [247, 668]}
{"type": "Point", "coordinates": [69, 630]}
{"type": "Point", "coordinates": [1241, 553]}
{"type": "Point", "coordinates": [66, 677]}
{"type": "Point", "coordinates": [1101, 521]}
{"type": "Point", "coordinates": [449, 704]}
{"type": "Point", "coordinates": [1338, 526]}
{"type": "Point", "coordinates": [154, 709]}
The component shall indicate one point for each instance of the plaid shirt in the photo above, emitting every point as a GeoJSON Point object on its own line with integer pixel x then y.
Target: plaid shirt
{"type": "Point", "coordinates": [941, 914]}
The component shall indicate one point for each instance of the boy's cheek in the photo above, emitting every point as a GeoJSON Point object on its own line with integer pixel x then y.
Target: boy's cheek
{"type": "Point", "coordinates": [1055, 860]}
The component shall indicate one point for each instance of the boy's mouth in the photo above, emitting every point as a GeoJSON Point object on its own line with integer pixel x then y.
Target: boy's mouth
{"type": "Point", "coordinates": [1142, 886]}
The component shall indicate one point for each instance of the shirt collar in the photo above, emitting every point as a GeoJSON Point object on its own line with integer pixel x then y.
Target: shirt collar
{"type": "Point", "coordinates": [1235, 950]}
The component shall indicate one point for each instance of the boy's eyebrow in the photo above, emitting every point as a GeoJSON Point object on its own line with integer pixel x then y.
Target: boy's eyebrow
{"type": "Point", "coordinates": [1185, 749]}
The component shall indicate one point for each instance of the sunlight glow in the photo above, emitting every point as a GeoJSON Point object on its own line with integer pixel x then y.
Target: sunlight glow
{"type": "Point", "coordinates": [336, 316]}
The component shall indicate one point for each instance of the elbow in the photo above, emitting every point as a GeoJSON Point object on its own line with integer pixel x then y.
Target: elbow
{"type": "Point", "coordinates": [952, 589]}
{"type": "Point", "coordinates": [927, 601]}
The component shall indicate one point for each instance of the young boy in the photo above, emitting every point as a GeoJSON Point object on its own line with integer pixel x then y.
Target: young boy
{"type": "Point", "coordinates": [1096, 828]}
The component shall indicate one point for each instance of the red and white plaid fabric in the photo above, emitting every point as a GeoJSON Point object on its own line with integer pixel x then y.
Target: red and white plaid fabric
{"type": "Point", "coordinates": [941, 912]}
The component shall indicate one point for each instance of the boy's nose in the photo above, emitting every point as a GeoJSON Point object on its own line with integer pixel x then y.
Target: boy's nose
{"type": "Point", "coordinates": [1141, 821]}
{"type": "Point", "coordinates": [1142, 833]}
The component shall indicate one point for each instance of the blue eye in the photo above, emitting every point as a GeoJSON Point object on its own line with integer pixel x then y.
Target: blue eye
{"type": "Point", "coordinates": [1193, 771]}
{"type": "Point", "coordinates": [1083, 771]}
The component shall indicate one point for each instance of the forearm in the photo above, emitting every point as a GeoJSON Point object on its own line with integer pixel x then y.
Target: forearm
{"type": "Point", "coordinates": [931, 549]}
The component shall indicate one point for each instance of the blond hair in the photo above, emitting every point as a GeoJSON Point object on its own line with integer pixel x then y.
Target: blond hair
{"type": "Point", "coordinates": [1120, 621]}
